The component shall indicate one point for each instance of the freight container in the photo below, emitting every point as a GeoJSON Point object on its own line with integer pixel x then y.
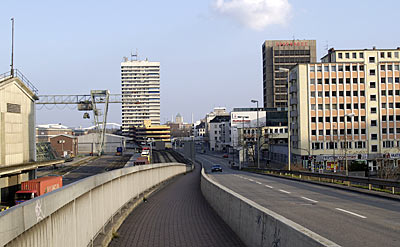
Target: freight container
{"type": "Point", "coordinates": [37, 187]}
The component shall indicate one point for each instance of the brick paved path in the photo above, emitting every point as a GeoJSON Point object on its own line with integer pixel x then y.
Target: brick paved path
{"type": "Point", "coordinates": [177, 215]}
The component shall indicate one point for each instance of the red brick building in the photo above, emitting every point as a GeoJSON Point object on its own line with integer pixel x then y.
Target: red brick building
{"type": "Point", "coordinates": [65, 145]}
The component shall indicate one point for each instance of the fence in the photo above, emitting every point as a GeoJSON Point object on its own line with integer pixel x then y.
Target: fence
{"type": "Point", "coordinates": [75, 214]}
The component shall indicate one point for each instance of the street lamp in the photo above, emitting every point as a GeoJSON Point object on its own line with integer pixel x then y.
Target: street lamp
{"type": "Point", "coordinates": [151, 149]}
{"type": "Point", "coordinates": [288, 106]}
{"type": "Point", "coordinates": [345, 140]}
{"type": "Point", "coordinates": [257, 136]}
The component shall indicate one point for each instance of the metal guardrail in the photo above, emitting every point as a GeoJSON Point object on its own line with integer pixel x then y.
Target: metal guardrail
{"type": "Point", "coordinates": [24, 79]}
{"type": "Point", "coordinates": [370, 182]}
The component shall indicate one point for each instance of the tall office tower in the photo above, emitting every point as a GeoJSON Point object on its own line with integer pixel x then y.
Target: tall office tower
{"type": "Point", "coordinates": [282, 54]}
{"type": "Point", "coordinates": [347, 108]}
{"type": "Point", "coordinates": [140, 81]}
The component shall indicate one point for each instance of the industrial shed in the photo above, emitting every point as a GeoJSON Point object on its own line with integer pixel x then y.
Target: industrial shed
{"type": "Point", "coordinates": [89, 143]}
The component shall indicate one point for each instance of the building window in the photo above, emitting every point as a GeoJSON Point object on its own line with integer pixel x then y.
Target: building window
{"type": "Point", "coordinates": [347, 55]}
{"type": "Point", "coordinates": [340, 68]}
{"type": "Point", "coordinates": [384, 131]}
{"type": "Point", "coordinates": [340, 55]}
{"type": "Point", "coordinates": [372, 59]}
{"type": "Point", "coordinates": [326, 68]}
{"type": "Point", "coordinates": [333, 68]}
{"type": "Point", "coordinates": [372, 97]}
{"type": "Point", "coordinates": [320, 132]}
{"type": "Point", "coordinates": [374, 148]}
{"type": "Point", "coordinates": [374, 137]}
{"type": "Point", "coordinates": [313, 119]}
{"type": "Point", "coordinates": [362, 118]}
{"type": "Point", "coordinates": [383, 92]}
{"type": "Point", "coordinates": [390, 67]}
{"type": "Point", "coordinates": [373, 110]}
{"type": "Point", "coordinates": [396, 54]}
{"type": "Point", "coordinates": [313, 132]}
{"type": "Point", "coordinates": [319, 68]}
{"type": "Point", "coordinates": [383, 80]}
{"type": "Point", "coordinates": [361, 55]}
{"type": "Point", "coordinates": [396, 67]}
{"type": "Point", "coordinates": [372, 84]}
{"type": "Point", "coordinates": [354, 55]}
{"type": "Point", "coordinates": [373, 122]}
{"type": "Point", "coordinates": [382, 55]}
{"type": "Point", "coordinates": [383, 67]}
{"type": "Point", "coordinates": [312, 94]}
{"type": "Point", "coordinates": [312, 69]}
{"type": "Point", "coordinates": [384, 118]}
{"type": "Point", "coordinates": [334, 93]}
{"type": "Point", "coordinates": [389, 55]}
{"type": "Point", "coordinates": [372, 72]}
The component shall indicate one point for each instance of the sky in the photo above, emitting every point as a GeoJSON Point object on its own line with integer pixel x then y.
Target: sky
{"type": "Point", "coordinates": [209, 50]}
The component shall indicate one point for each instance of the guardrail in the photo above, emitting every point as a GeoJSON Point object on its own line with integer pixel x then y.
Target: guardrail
{"type": "Point", "coordinates": [370, 183]}
{"type": "Point", "coordinates": [75, 214]}
{"type": "Point", "coordinates": [24, 79]}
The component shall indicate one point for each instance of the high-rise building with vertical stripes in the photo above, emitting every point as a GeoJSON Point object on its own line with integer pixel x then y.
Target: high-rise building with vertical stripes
{"type": "Point", "coordinates": [140, 87]}
{"type": "Point", "coordinates": [282, 54]}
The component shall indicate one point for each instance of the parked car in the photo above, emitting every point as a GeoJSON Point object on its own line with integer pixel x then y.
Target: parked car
{"type": "Point", "coordinates": [225, 156]}
{"type": "Point", "coordinates": [216, 168]}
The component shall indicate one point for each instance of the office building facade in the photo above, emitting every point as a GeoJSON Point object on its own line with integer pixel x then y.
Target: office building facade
{"type": "Point", "coordinates": [346, 108]}
{"type": "Point", "coordinates": [140, 87]}
{"type": "Point", "coordinates": [282, 54]}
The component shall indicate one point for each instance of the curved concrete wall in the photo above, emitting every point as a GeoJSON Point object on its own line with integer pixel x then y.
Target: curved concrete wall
{"type": "Point", "coordinates": [254, 224]}
{"type": "Point", "coordinates": [73, 215]}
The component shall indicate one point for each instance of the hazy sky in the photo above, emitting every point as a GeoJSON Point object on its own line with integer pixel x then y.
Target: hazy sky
{"type": "Point", "coordinates": [210, 50]}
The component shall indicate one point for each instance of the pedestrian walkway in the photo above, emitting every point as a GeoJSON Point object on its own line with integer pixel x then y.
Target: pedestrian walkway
{"type": "Point", "coordinates": [177, 215]}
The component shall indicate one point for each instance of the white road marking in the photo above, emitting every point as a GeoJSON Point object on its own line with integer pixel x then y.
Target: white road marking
{"type": "Point", "coordinates": [358, 215]}
{"type": "Point", "coordinates": [258, 182]}
{"type": "Point", "coordinates": [251, 180]}
{"type": "Point", "coordinates": [284, 191]}
{"type": "Point", "coordinates": [308, 199]}
{"type": "Point", "coordinates": [269, 186]}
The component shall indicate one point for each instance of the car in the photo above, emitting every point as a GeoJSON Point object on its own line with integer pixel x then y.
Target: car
{"type": "Point", "coordinates": [225, 156]}
{"type": "Point", "coordinates": [216, 168]}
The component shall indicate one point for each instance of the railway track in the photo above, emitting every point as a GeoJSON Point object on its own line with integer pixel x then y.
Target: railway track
{"type": "Point", "coordinates": [167, 156]}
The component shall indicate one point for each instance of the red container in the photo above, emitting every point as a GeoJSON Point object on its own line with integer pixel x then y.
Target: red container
{"type": "Point", "coordinates": [37, 187]}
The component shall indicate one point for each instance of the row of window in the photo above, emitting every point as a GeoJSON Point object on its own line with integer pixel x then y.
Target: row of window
{"type": "Point", "coordinates": [334, 145]}
{"type": "Point", "coordinates": [340, 68]}
{"type": "Point", "coordinates": [335, 119]}
{"type": "Point", "coordinates": [341, 106]}
{"type": "Point", "coordinates": [353, 55]}
{"type": "Point", "coordinates": [320, 94]}
{"type": "Point", "coordinates": [334, 81]}
{"type": "Point", "coordinates": [291, 52]}
{"type": "Point", "coordinates": [334, 132]}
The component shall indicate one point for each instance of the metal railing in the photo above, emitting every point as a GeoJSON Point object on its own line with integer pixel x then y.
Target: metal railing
{"type": "Point", "coordinates": [24, 79]}
{"type": "Point", "coordinates": [371, 183]}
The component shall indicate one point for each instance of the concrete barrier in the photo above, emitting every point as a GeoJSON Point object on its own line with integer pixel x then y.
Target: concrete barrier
{"type": "Point", "coordinates": [254, 224]}
{"type": "Point", "coordinates": [75, 214]}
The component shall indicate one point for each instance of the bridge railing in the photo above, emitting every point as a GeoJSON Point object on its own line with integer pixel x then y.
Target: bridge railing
{"type": "Point", "coordinates": [75, 214]}
{"type": "Point", "coordinates": [368, 183]}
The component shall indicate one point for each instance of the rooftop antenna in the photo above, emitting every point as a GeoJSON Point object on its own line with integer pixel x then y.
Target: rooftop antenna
{"type": "Point", "coordinates": [134, 55]}
{"type": "Point", "coordinates": [327, 45]}
{"type": "Point", "coordinates": [12, 47]}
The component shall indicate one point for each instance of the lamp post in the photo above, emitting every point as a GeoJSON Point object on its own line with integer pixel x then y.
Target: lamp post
{"type": "Point", "coordinates": [288, 106]}
{"type": "Point", "coordinates": [151, 148]}
{"type": "Point", "coordinates": [345, 140]}
{"type": "Point", "coordinates": [257, 135]}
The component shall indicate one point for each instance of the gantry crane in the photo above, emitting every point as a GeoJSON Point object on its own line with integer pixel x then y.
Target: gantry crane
{"type": "Point", "coordinates": [88, 103]}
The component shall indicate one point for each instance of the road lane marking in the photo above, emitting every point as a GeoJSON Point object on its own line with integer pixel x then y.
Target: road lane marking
{"type": "Point", "coordinates": [308, 199]}
{"type": "Point", "coordinates": [251, 180]}
{"type": "Point", "coordinates": [258, 182]}
{"type": "Point", "coordinates": [284, 191]}
{"type": "Point", "coordinates": [358, 215]}
{"type": "Point", "coordinates": [269, 186]}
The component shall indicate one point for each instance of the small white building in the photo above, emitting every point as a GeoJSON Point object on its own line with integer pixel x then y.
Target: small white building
{"type": "Point", "coordinates": [220, 133]}
{"type": "Point", "coordinates": [89, 143]}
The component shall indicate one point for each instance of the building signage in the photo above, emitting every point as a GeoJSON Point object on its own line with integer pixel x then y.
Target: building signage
{"type": "Point", "coordinates": [291, 43]}
{"type": "Point", "coordinates": [391, 156]}
{"type": "Point", "coordinates": [337, 157]}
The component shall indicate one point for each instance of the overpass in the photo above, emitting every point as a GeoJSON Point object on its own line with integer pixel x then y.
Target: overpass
{"type": "Point", "coordinates": [259, 210]}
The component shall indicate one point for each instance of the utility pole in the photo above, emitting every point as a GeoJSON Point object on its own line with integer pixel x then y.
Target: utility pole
{"type": "Point", "coordinates": [257, 136]}
{"type": "Point", "coordinates": [12, 47]}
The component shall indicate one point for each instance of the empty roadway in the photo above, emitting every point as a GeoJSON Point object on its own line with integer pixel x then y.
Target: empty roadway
{"type": "Point", "coordinates": [344, 217]}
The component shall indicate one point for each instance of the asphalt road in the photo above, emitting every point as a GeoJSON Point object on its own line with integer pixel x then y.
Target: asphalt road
{"type": "Point", "coordinates": [344, 217]}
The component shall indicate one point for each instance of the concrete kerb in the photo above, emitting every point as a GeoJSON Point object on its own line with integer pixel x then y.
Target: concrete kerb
{"type": "Point", "coordinates": [336, 186]}
{"type": "Point", "coordinates": [258, 226]}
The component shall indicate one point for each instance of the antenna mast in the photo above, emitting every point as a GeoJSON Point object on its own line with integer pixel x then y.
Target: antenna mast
{"type": "Point", "coordinates": [12, 47]}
